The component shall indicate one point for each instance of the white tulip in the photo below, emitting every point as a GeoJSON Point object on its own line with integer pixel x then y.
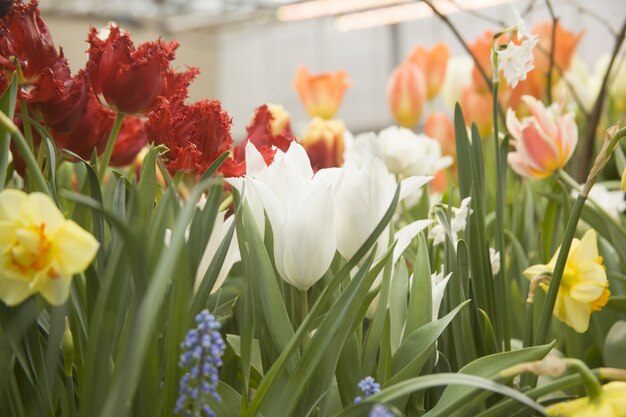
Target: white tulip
{"type": "Point", "coordinates": [299, 207]}
{"type": "Point", "coordinates": [363, 196]}
{"type": "Point", "coordinates": [458, 76]}
{"type": "Point", "coordinates": [404, 152]}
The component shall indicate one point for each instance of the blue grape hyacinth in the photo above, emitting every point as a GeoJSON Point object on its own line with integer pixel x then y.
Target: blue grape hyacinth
{"type": "Point", "coordinates": [369, 387]}
{"type": "Point", "coordinates": [203, 349]}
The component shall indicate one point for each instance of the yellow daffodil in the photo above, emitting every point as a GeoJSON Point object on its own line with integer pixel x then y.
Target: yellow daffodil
{"type": "Point", "coordinates": [610, 403]}
{"type": "Point", "coordinates": [40, 250]}
{"type": "Point", "coordinates": [584, 286]}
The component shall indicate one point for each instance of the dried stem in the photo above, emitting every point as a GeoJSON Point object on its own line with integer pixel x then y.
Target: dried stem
{"type": "Point", "coordinates": [592, 125]}
{"type": "Point", "coordinates": [555, 21]}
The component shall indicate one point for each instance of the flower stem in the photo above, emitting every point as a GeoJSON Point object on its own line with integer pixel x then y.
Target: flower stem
{"type": "Point", "coordinates": [502, 316]}
{"type": "Point", "coordinates": [34, 173]}
{"type": "Point", "coordinates": [592, 385]}
{"type": "Point", "coordinates": [108, 151]}
{"type": "Point", "coordinates": [28, 129]}
{"type": "Point", "coordinates": [304, 310]}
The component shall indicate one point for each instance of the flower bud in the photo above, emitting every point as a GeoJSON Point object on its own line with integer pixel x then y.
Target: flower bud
{"type": "Point", "coordinates": [433, 63]}
{"type": "Point", "coordinates": [67, 347]}
{"type": "Point", "coordinates": [406, 93]}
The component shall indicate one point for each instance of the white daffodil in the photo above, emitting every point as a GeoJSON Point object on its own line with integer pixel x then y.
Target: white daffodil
{"type": "Point", "coordinates": [404, 152]}
{"type": "Point", "coordinates": [299, 207]}
{"type": "Point", "coordinates": [458, 223]}
{"type": "Point", "coordinates": [494, 259]}
{"type": "Point", "coordinates": [438, 283]}
{"type": "Point", "coordinates": [516, 61]}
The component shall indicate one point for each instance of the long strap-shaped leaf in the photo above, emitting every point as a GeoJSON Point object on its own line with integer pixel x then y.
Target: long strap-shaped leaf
{"type": "Point", "coordinates": [316, 310]}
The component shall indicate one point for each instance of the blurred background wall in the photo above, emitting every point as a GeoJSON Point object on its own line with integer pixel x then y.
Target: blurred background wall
{"type": "Point", "coordinates": [248, 57]}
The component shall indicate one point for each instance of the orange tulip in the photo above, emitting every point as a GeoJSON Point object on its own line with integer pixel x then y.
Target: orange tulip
{"type": "Point", "coordinates": [323, 141]}
{"type": "Point", "coordinates": [439, 126]}
{"type": "Point", "coordinates": [406, 93]}
{"type": "Point", "coordinates": [477, 108]}
{"type": "Point", "coordinates": [481, 48]}
{"type": "Point", "coordinates": [433, 63]}
{"type": "Point", "coordinates": [565, 44]}
{"type": "Point", "coordinates": [322, 93]}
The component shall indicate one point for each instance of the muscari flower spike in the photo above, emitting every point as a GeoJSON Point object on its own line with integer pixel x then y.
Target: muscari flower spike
{"type": "Point", "coordinates": [203, 349]}
{"type": "Point", "coordinates": [369, 386]}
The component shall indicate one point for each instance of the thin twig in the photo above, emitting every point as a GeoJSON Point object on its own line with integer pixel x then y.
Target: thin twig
{"type": "Point", "coordinates": [459, 37]}
{"type": "Point", "coordinates": [529, 8]}
{"type": "Point", "coordinates": [478, 14]}
{"type": "Point", "coordinates": [568, 84]}
{"type": "Point", "coordinates": [555, 21]}
{"type": "Point", "coordinates": [592, 125]}
{"type": "Point", "coordinates": [591, 13]}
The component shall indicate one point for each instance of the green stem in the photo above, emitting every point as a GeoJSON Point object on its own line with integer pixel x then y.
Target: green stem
{"type": "Point", "coordinates": [502, 317]}
{"type": "Point", "coordinates": [592, 384]}
{"type": "Point", "coordinates": [304, 310]}
{"type": "Point", "coordinates": [28, 130]}
{"type": "Point", "coordinates": [34, 173]}
{"type": "Point", "coordinates": [108, 151]}
{"type": "Point", "coordinates": [507, 407]}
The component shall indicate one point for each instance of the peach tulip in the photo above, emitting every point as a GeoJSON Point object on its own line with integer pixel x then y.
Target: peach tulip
{"type": "Point", "coordinates": [565, 46]}
{"type": "Point", "coordinates": [544, 141]}
{"type": "Point", "coordinates": [433, 63]}
{"type": "Point", "coordinates": [439, 126]}
{"type": "Point", "coordinates": [477, 108]}
{"type": "Point", "coordinates": [321, 93]}
{"type": "Point", "coordinates": [406, 93]}
{"type": "Point", "coordinates": [481, 48]}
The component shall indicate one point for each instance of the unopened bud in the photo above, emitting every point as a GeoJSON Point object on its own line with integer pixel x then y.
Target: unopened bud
{"type": "Point", "coordinates": [67, 347]}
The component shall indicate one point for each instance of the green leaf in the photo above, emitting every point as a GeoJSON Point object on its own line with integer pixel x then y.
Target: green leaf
{"type": "Point", "coordinates": [7, 106]}
{"type": "Point", "coordinates": [417, 348]}
{"type": "Point", "coordinates": [420, 298]}
{"type": "Point", "coordinates": [455, 381]}
{"type": "Point", "coordinates": [455, 399]}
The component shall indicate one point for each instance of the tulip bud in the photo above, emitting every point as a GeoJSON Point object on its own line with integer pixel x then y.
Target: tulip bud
{"type": "Point", "coordinates": [406, 93]}
{"type": "Point", "coordinates": [67, 347]}
{"type": "Point", "coordinates": [433, 63]}
{"type": "Point", "coordinates": [322, 93]}
{"type": "Point", "coordinates": [624, 180]}
{"type": "Point", "coordinates": [323, 141]}
{"type": "Point", "coordinates": [477, 108]}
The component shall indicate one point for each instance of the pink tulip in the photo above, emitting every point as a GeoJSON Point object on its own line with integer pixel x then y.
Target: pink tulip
{"type": "Point", "coordinates": [544, 141]}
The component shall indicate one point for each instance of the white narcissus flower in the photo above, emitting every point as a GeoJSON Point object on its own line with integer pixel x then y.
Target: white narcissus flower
{"type": "Point", "coordinates": [516, 61]}
{"type": "Point", "coordinates": [494, 259]}
{"type": "Point", "coordinates": [438, 283]}
{"type": "Point", "coordinates": [458, 223]}
{"type": "Point", "coordinates": [404, 152]}
{"type": "Point", "coordinates": [299, 207]}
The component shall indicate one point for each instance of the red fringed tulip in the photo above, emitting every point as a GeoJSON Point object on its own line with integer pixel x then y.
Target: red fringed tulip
{"type": "Point", "coordinates": [406, 93]}
{"type": "Point", "coordinates": [25, 36]}
{"type": "Point", "coordinates": [91, 131]}
{"type": "Point", "coordinates": [131, 139]}
{"type": "Point", "coordinates": [269, 129]}
{"type": "Point", "coordinates": [544, 142]}
{"type": "Point", "coordinates": [63, 112]}
{"type": "Point", "coordinates": [195, 134]}
{"type": "Point", "coordinates": [131, 80]}
{"type": "Point", "coordinates": [322, 93]}
{"type": "Point", "coordinates": [323, 141]}
{"type": "Point", "coordinates": [433, 63]}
